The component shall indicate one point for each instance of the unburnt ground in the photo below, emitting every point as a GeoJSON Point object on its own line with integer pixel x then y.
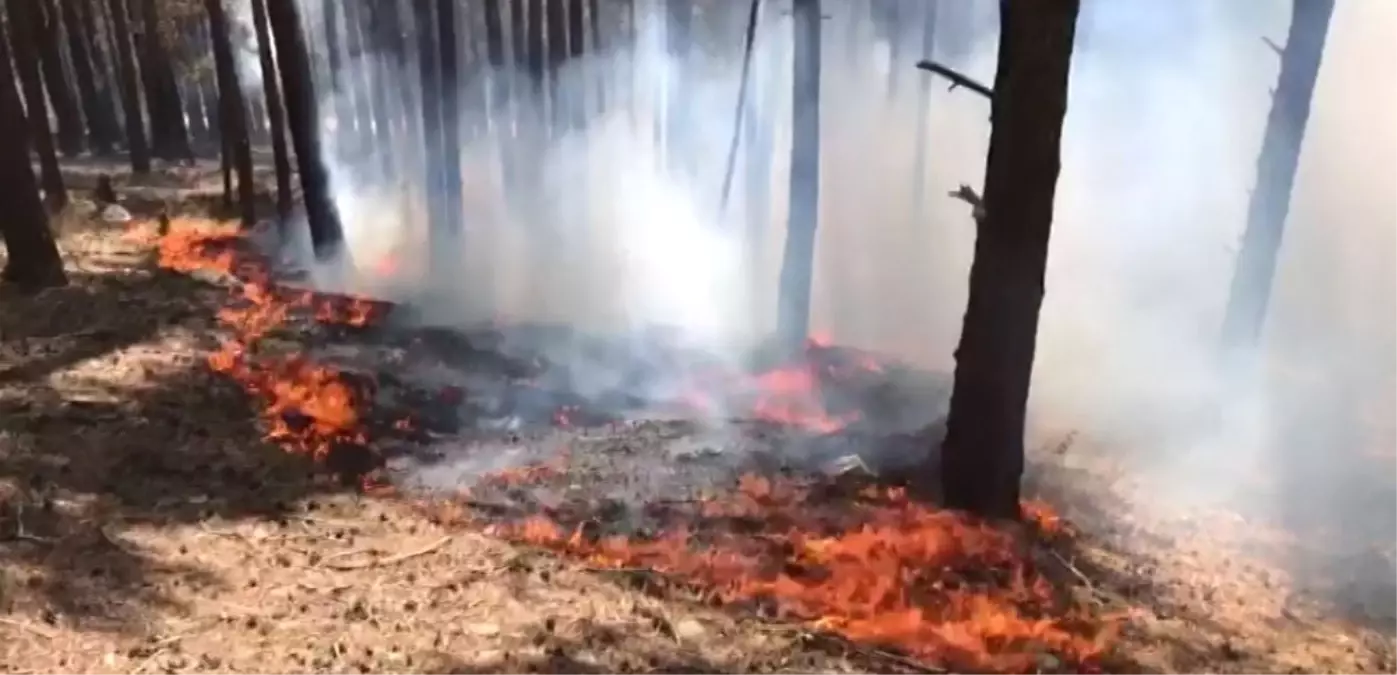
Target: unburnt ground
{"type": "Point", "coordinates": [145, 526]}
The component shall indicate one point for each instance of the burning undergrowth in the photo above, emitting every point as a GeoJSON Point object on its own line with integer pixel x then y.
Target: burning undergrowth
{"type": "Point", "coordinates": [591, 453]}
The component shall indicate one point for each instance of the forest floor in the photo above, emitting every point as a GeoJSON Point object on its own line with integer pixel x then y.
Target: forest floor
{"type": "Point", "coordinates": [147, 524]}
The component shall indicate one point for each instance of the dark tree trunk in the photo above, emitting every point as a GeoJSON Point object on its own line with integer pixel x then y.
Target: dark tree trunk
{"type": "Point", "coordinates": [574, 88]}
{"type": "Point", "coordinates": [130, 88]}
{"type": "Point", "coordinates": [537, 55]}
{"type": "Point", "coordinates": [797, 268]}
{"type": "Point", "coordinates": [982, 458]}
{"type": "Point", "coordinates": [429, 81]}
{"type": "Point", "coordinates": [168, 129]}
{"type": "Point", "coordinates": [494, 55]}
{"type": "Point", "coordinates": [47, 28]}
{"type": "Point", "coordinates": [303, 118]}
{"type": "Point", "coordinates": [33, 257]}
{"type": "Point", "coordinates": [96, 29]}
{"type": "Point", "coordinates": [1275, 173]}
{"type": "Point", "coordinates": [758, 129]}
{"type": "Point", "coordinates": [448, 91]}
{"type": "Point", "coordinates": [101, 120]}
{"type": "Point", "coordinates": [232, 114]}
{"type": "Point", "coordinates": [276, 119]}
{"type": "Point", "coordinates": [598, 48]}
{"type": "Point", "coordinates": [924, 105]}
{"type": "Point", "coordinates": [26, 59]}
{"type": "Point", "coordinates": [557, 53]}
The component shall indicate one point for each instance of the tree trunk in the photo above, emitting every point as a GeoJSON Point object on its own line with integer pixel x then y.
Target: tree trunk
{"type": "Point", "coordinates": [45, 24]}
{"type": "Point", "coordinates": [276, 118]}
{"type": "Point", "coordinates": [757, 129]}
{"type": "Point", "coordinates": [303, 118]}
{"type": "Point", "coordinates": [130, 89]}
{"type": "Point", "coordinates": [679, 20]}
{"type": "Point", "coordinates": [232, 114]}
{"type": "Point", "coordinates": [574, 88]}
{"type": "Point", "coordinates": [448, 91]}
{"type": "Point", "coordinates": [1275, 173]}
{"type": "Point", "coordinates": [598, 48]}
{"type": "Point", "coordinates": [33, 257]}
{"type": "Point", "coordinates": [797, 268]}
{"type": "Point", "coordinates": [557, 53]}
{"type": "Point", "coordinates": [982, 458]}
{"type": "Point", "coordinates": [168, 129]}
{"type": "Point", "coordinates": [393, 113]}
{"type": "Point", "coordinates": [101, 120]}
{"type": "Point", "coordinates": [924, 106]}
{"type": "Point", "coordinates": [537, 55]}
{"type": "Point", "coordinates": [26, 59]}
{"type": "Point", "coordinates": [345, 123]}
{"type": "Point", "coordinates": [357, 77]}
{"type": "Point", "coordinates": [96, 29]}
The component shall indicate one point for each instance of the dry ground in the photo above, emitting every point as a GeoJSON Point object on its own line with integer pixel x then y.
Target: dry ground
{"type": "Point", "coordinates": [146, 527]}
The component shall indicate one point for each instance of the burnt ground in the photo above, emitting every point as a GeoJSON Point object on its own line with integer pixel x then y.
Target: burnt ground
{"type": "Point", "coordinates": [146, 525]}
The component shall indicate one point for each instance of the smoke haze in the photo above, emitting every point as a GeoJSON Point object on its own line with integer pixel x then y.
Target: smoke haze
{"type": "Point", "coordinates": [1167, 107]}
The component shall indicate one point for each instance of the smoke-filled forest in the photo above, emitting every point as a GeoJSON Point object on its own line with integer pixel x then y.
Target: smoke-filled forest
{"type": "Point", "coordinates": [560, 336]}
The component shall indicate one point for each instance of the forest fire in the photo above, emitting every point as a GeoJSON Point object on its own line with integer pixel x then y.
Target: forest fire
{"type": "Point", "coordinates": [876, 567]}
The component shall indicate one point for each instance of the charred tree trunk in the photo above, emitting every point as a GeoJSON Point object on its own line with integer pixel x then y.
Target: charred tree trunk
{"type": "Point", "coordinates": [345, 123]}
{"type": "Point", "coordinates": [130, 88]}
{"type": "Point", "coordinates": [101, 120]}
{"type": "Point", "coordinates": [923, 105]}
{"type": "Point", "coordinates": [96, 29]}
{"type": "Point", "coordinates": [599, 49]}
{"type": "Point", "coordinates": [757, 129]}
{"type": "Point", "coordinates": [797, 268]}
{"type": "Point", "coordinates": [428, 78]}
{"type": "Point", "coordinates": [169, 131]}
{"type": "Point", "coordinates": [33, 256]}
{"type": "Point", "coordinates": [982, 458]}
{"type": "Point", "coordinates": [232, 114]}
{"type": "Point", "coordinates": [26, 59]}
{"type": "Point", "coordinates": [276, 118]}
{"type": "Point", "coordinates": [537, 55]}
{"type": "Point", "coordinates": [494, 56]}
{"type": "Point", "coordinates": [1275, 173]}
{"type": "Point", "coordinates": [574, 90]}
{"type": "Point", "coordinates": [47, 29]}
{"type": "Point", "coordinates": [303, 119]}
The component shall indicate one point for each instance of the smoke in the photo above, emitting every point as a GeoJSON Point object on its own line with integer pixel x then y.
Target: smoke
{"type": "Point", "coordinates": [608, 229]}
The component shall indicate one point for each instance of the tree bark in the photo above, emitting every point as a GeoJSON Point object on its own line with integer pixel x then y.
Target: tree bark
{"type": "Point", "coordinates": [34, 262]}
{"type": "Point", "coordinates": [982, 457]}
{"type": "Point", "coordinates": [303, 118]}
{"type": "Point", "coordinates": [1275, 173]}
{"type": "Point", "coordinates": [168, 129]}
{"type": "Point", "coordinates": [101, 120]}
{"type": "Point", "coordinates": [797, 268]}
{"type": "Point", "coordinates": [130, 89]}
{"type": "Point", "coordinates": [46, 26]}
{"type": "Point", "coordinates": [26, 60]}
{"type": "Point", "coordinates": [232, 113]}
{"type": "Point", "coordinates": [276, 118]}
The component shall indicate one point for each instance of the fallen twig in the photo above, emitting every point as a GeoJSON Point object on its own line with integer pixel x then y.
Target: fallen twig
{"type": "Point", "coordinates": [390, 560]}
{"type": "Point", "coordinates": [29, 628]}
{"type": "Point", "coordinates": [957, 79]}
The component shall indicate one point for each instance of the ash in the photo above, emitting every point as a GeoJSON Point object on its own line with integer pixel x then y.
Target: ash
{"type": "Point", "coordinates": [487, 402]}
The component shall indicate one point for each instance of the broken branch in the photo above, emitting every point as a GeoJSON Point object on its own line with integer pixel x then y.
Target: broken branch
{"type": "Point", "coordinates": [957, 79]}
{"type": "Point", "coordinates": [968, 195]}
{"type": "Point", "coordinates": [1272, 44]}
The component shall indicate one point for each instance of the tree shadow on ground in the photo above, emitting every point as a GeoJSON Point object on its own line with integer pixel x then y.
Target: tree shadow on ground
{"type": "Point", "coordinates": [110, 424]}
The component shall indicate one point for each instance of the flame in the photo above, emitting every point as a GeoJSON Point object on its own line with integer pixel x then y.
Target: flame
{"type": "Point", "coordinates": [884, 570]}
{"type": "Point", "coordinates": [897, 574]}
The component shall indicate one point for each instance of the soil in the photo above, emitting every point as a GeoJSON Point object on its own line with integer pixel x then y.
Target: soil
{"type": "Point", "coordinates": [146, 525]}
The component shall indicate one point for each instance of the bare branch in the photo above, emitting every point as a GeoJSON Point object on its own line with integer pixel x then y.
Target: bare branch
{"type": "Point", "coordinates": [968, 195]}
{"type": "Point", "coordinates": [1272, 44]}
{"type": "Point", "coordinates": [957, 79]}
